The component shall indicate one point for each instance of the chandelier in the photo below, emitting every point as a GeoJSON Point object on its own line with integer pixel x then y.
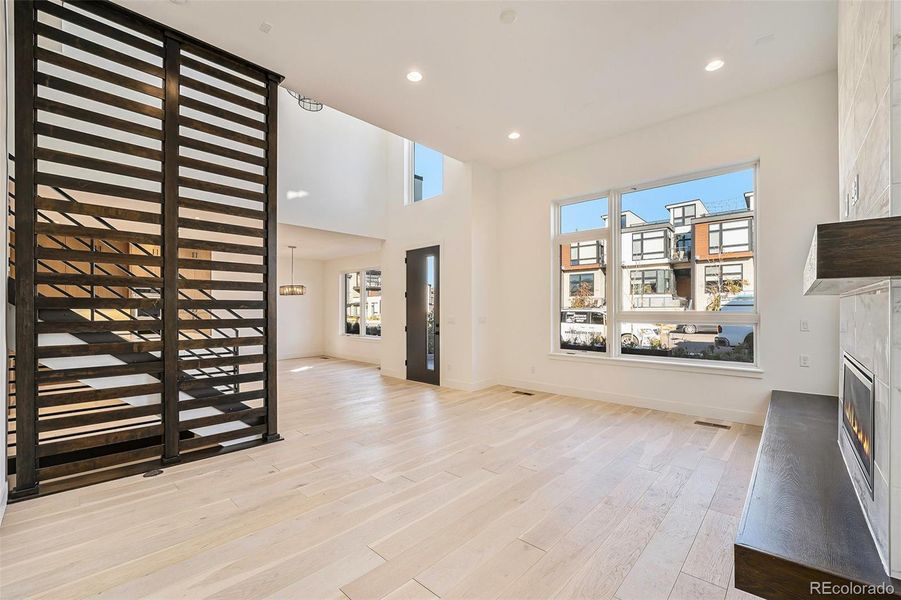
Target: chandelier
{"type": "Point", "coordinates": [306, 103]}
{"type": "Point", "coordinates": [293, 289]}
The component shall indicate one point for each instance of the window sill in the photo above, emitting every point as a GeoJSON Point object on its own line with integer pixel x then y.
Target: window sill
{"type": "Point", "coordinates": [361, 338]}
{"type": "Point", "coordinates": [665, 365]}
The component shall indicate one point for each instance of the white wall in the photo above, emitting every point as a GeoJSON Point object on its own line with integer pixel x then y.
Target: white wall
{"type": "Point", "coordinates": [300, 327]}
{"type": "Point", "coordinates": [352, 347]}
{"type": "Point", "coordinates": [792, 131]}
{"type": "Point", "coordinates": [488, 297]}
{"type": "Point", "coordinates": [446, 221]}
{"type": "Point", "coordinates": [340, 161]}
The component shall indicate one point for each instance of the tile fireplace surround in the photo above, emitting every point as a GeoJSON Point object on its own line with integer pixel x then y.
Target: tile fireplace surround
{"type": "Point", "coordinates": [869, 105]}
{"type": "Point", "coordinates": [870, 322]}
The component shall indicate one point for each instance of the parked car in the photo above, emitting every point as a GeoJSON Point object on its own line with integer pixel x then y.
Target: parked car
{"type": "Point", "coordinates": [638, 335]}
{"type": "Point", "coordinates": [735, 335]}
{"type": "Point", "coordinates": [698, 328]}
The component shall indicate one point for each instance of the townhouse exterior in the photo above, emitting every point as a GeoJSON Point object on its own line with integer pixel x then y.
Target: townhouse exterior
{"type": "Point", "coordinates": [694, 260]}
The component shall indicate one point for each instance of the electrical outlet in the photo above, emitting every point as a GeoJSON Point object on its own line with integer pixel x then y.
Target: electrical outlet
{"type": "Point", "coordinates": [532, 369]}
{"type": "Point", "coordinates": [805, 326]}
{"type": "Point", "coordinates": [804, 360]}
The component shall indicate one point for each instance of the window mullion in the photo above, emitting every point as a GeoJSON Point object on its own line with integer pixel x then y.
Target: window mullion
{"type": "Point", "coordinates": [364, 308]}
{"type": "Point", "coordinates": [614, 273]}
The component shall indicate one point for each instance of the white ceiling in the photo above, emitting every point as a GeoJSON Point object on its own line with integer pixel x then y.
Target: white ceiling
{"type": "Point", "coordinates": [318, 244]}
{"type": "Point", "coordinates": [564, 74]}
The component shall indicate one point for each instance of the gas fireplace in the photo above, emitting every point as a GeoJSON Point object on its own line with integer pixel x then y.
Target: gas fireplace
{"type": "Point", "coordinates": [858, 414]}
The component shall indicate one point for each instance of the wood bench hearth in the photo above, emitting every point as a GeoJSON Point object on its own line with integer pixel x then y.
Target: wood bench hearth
{"type": "Point", "coordinates": [802, 522]}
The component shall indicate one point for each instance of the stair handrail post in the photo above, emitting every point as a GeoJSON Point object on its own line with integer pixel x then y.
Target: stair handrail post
{"type": "Point", "coordinates": [169, 250]}
{"type": "Point", "coordinates": [26, 331]}
{"type": "Point", "coordinates": [271, 275]}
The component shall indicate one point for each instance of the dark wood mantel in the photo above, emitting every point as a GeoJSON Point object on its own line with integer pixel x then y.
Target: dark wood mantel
{"type": "Point", "coordinates": [852, 254]}
{"type": "Point", "coordinates": [802, 521]}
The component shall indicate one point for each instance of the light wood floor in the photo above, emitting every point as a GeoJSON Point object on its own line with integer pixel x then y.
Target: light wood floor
{"type": "Point", "coordinates": [387, 489]}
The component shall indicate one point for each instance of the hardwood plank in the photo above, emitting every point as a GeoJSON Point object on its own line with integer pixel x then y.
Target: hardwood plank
{"type": "Point", "coordinates": [490, 579]}
{"type": "Point", "coordinates": [603, 573]}
{"type": "Point", "coordinates": [562, 561]}
{"type": "Point", "coordinates": [412, 590]}
{"type": "Point", "coordinates": [690, 588]}
{"type": "Point", "coordinates": [710, 558]}
{"type": "Point", "coordinates": [656, 570]}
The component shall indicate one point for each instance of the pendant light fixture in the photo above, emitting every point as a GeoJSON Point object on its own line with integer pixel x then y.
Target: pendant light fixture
{"type": "Point", "coordinates": [292, 290]}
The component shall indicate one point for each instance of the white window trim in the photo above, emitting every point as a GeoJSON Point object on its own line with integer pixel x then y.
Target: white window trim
{"type": "Point", "coordinates": [410, 173]}
{"type": "Point", "coordinates": [616, 314]}
{"type": "Point", "coordinates": [364, 306]}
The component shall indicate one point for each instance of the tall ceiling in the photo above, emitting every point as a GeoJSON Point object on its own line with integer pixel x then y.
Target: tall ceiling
{"type": "Point", "coordinates": [564, 74]}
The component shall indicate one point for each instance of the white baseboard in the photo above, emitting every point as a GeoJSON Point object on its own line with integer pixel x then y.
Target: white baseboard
{"type": "Point", "coordinates": [695, 410]}
{"type": "Point", "coordinates": [468, 386]}
{"type": "Point", "coordinates": [342, 356]}
{"type": "Point", "coordinates": [454, 384]}
{"type": "Point", "coordinates": [710, 412]}
{"type": "Point", "coordinates": [392, 373]}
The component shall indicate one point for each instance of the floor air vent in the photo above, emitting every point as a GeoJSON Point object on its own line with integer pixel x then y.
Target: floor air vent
{"type": "Point", "coordinates": [709, 424]}
{"type": "Point", "coordinates": [522, 393]}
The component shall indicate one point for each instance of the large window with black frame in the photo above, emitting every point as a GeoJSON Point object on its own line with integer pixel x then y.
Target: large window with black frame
{"type": "Point", "coordinates": [684, 280]}
{"type": "Point", "coordinates": [362, 300]}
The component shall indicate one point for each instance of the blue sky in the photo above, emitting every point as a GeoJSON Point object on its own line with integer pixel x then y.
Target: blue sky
{"type": "Point", "coordinates": [430, 165]}
{"type": "Point", "coordinates": [721, 193]}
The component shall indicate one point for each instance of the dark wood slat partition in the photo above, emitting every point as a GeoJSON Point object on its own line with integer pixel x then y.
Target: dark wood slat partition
{"type": "Point", "coordinates": [140, 254]}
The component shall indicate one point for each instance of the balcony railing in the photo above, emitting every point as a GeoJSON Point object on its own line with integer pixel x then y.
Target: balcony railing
{"type": "Point", "coordinates": [658, 301]}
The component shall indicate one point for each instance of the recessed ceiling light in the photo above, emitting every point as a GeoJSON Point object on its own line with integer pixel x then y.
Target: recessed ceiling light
{"type": "Point", "coordinates": [714, 65]}
{"type": "Point", "coordinates": [265, 27]}
{"type": "Point", "coordinates": [508, 17]}
{"type": "Point", "coordinates": [296, 194]}
{"type": "Point", "coordinates": [414, 76]}
{"type": "Point", "coordinates": [513, 135]}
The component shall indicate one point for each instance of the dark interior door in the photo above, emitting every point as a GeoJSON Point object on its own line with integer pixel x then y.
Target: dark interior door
{"type": "Point", "coordinates": [423, 339]}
